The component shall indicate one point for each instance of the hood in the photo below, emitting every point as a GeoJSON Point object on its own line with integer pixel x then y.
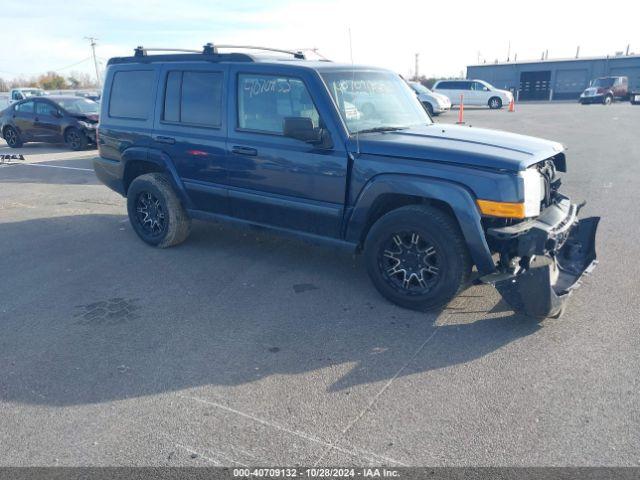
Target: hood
{"type": "Point", "coordinates": [92, 118]}
{"type": "Point", "coordinates": [433, 95]}
{"type": "Point", "coordinates": [469, 146]}
{"type": "Point", "coordinates": [441, 97]}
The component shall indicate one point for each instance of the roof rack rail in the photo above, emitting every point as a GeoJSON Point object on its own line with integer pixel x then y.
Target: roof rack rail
{"type": "Point", "coordinates": [296, 54]}
{"type": "Point", "coordinates": [211, 49]}
{"type": "Point", "coordinates": [142, 51]}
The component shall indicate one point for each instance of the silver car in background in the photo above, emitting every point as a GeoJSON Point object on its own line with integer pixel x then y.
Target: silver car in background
{"type": "Point", "coordinates": [435, 103]}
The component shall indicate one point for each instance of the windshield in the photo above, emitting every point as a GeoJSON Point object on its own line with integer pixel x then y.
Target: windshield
{"type": "Point", "coordinates": [32, 93]}
{"type": "Point", "coordinates": [79, 105]}
{"type": "Point", "coordinates": [375, 101]}
{"type": "Point", "coordinates": [603, 82]}
{"type": "Point", "coordinates": [418, 87]}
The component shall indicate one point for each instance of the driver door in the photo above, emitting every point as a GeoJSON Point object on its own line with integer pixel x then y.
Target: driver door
{"type": "Point", "coordinates": [274, 179]}
{"type": "Point", "coordinates": [47, 123]}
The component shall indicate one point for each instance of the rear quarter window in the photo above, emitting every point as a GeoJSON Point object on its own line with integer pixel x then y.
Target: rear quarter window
{"type": "Point", "coordinates": [131, 94]}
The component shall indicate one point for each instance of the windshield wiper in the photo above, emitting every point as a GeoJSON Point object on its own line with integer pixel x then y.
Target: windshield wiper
{"type": "Point", "coordinates": [381, 129]}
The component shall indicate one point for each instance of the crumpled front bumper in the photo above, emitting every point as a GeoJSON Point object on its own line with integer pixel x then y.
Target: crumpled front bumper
{"type": "Point", "coordinates": [556, 250]}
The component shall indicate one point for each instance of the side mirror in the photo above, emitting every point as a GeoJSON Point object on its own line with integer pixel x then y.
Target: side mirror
{"type": "Point", "coordinates": [58, 114]}
{"type": "Point", "coordinates": [301, 128]}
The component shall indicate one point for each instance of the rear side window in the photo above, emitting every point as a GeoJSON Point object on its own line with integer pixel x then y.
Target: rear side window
{"type": "Point", "coordinates": [194, 98]}
{"type": "Point", "coordinates": [265, 100]}
{"type": "Point", "coordinates": [131, 94]}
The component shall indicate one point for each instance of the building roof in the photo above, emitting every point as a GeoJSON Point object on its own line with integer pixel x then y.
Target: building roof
{"type": "Point", "coordinates": [557, 60]}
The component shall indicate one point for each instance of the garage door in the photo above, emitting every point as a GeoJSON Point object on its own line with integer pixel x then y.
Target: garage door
{"type": "Point", "coordinates": [570, 84]}
{"type": "Point", "coordinates": [535, 85]}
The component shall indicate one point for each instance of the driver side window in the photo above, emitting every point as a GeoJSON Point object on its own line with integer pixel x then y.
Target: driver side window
{"type": "Point", "coordinates": [26, 107]}
{"type": "Point", "coordinates": [264, 101]}
{"type": "Point", "coordinates": [43, 108]}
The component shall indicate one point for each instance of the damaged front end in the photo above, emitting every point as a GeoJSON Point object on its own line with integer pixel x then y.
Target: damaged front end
{"type": "Point", "coordinates": [543, 259]}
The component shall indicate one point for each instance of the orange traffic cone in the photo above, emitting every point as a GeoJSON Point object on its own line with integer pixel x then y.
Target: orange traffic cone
{"type": "Point", "coordinates": [512, 105]}
{"type": "Point", "coordinates": [461, 111]}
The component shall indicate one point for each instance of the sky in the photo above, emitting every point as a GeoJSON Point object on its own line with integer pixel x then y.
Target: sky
{"type": "Point", "coordinates": [41, 36]}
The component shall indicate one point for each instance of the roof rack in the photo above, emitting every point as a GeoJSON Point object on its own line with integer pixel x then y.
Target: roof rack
{"type": "Point", "coordinates": [210, 49]}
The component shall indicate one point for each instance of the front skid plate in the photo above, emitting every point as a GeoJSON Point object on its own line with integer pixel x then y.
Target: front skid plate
{"type": "Point", "coordinates": [543, 289]}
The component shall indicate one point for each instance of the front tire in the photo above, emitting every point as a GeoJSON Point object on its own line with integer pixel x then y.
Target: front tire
{"type": "Point", "coordinates": [607, 100]}
{"type": "Point", "coordinates": [417, 257]}
{"type": "Point", "coordinates": [75, 139]}
{"type": "Point", "coordinates": [12, 137]}
{"type": "Point", "coordinates": [429, 108]}
{"type": "Point", "coordinates": [155, 211]}
{"type": "Point", "coordinates": [495, 103]}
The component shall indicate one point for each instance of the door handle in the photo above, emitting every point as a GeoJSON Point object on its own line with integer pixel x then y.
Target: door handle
{"type": "Point", "coordinates": [163, 139]}
{"type": "Point", "coordinates": [238, 150]}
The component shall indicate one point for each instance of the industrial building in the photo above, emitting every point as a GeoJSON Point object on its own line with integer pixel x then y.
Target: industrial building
{"type": "Point", "coordinates": [562, 79]}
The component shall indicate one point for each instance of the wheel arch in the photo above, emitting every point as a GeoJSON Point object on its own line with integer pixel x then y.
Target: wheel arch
{"type": "Point", "coordinates": [385, 193]}
{"type": "Point", "coordinates": [139, 160]}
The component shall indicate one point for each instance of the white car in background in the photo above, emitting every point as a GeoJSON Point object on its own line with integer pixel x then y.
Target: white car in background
{"type": "Point", "coordinates": [474, 92]}
{"type": "Point", "coordinates": [435, 103]}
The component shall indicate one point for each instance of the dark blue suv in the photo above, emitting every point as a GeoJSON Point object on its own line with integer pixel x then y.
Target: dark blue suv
{"type": "Point", "coordinates": [347, 156]}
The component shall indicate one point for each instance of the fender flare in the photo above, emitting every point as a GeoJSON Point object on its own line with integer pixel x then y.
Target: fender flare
{"type": "Point", "coordinates": [459, 198]}
{"type": "Point", "coordinates": [163, 161]}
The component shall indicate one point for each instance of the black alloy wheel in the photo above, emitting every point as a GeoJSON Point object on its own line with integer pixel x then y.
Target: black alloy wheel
{"type": "Point", "coordinates": [410, 263]}
{"type": "Point", "coordinates": [12, 137]}
{"type": "Point", "coordinates": [150, 214]}
{"type": "Point", "coordinates": [75, 139]}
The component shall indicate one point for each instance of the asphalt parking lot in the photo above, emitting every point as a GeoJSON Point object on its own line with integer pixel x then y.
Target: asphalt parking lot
{"type": "Point", "coordinates": [242, 348]}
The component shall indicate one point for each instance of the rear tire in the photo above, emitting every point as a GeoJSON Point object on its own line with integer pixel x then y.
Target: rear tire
{"type": "Point", "coordinates": [417, 257]}
{"type": "Point", "coordinates": [495, 103]}
{"type": "Point", "coordinates": [75, 139]}
{"type": "Point", "coordinates": [12, 137]}
{"type": "Point", "coordinates": [155, 211]}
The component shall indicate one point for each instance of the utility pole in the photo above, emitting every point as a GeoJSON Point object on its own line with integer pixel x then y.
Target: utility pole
{"type": "Point", "coordinates": [578, 51]}
{"type": "Point", "coordinates": [92, 42]}
{"type": "Point", "coordinates": [417, 74]}
{"type": "Point", "coordinates": [509, 51]}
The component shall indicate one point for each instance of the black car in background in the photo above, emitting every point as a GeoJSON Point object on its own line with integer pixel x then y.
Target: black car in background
{"type": "Point", "coordinates": [634, 97]}
{"type": "Point", "coordinates": [54, 119]}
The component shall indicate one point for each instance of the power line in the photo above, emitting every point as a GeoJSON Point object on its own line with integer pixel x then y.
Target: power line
{"type": "Point", "coordinates": [48, 69]}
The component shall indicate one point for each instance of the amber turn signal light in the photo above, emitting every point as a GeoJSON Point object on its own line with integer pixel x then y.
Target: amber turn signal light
{"type": "Point", "coordinates": [501, 209]}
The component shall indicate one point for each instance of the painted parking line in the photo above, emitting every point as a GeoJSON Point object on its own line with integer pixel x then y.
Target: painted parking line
{"type": "Point", "coordinates": [53, 166]}
{"type": "Point", "coordinates": [354, 452]}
